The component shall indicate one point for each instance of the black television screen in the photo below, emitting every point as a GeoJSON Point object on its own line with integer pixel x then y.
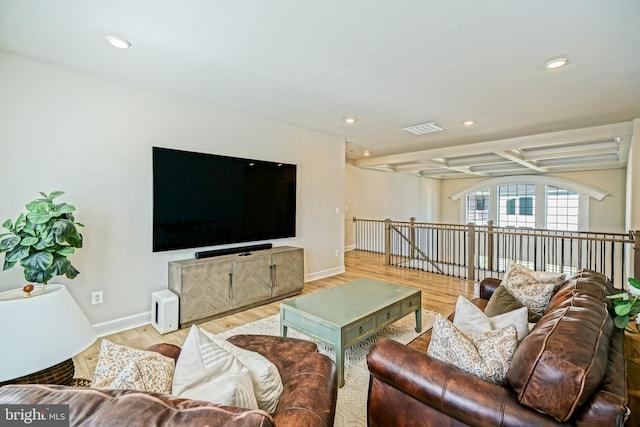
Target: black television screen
{"type": "Point", "coordinates": [206, 200]}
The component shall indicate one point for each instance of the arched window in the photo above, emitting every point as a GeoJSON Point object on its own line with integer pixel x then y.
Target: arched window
{"type": "Point", "coordinates": [527, 201]}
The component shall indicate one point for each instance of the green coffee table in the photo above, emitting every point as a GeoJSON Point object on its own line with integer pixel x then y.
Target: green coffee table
{"type": "Point", "coordinates": [348, 314]}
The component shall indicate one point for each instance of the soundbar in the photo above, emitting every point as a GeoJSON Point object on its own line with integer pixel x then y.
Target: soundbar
{"type": "Point", "coordinates": [245, 250]}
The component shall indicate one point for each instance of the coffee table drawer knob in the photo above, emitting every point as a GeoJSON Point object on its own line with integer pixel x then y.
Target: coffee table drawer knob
{"type": "Point", "coordinates": [388, 315]}
{"type": "Point", "coordinates": [360, 330]}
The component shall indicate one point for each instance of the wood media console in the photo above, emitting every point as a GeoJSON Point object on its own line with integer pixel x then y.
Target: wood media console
{"type": "Point", "coordinates": [217, 286]}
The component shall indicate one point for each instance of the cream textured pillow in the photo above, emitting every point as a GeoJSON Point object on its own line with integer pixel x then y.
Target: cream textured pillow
{"type": "Point", "coordinates": [469, 319]}
{"type": "Point", "coordinates": [532, 289]}
{"type": "Point", "coordinates": [206, 371]}
{"type": "Point", "coordinates": [267, 384]}
{"type": "Point", "coordinates": [121, 367]}
{"type": "Point", "coordinates": [485, 355]}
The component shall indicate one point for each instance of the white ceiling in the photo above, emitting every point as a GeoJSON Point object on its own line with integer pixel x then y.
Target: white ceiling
{"type": "Point", "coordinates": [389, 64]}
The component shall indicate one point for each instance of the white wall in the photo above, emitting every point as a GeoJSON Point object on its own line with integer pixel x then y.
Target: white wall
{"type": "Point", "coordinates": [632, 214]}
{"type": "Point", "coordinates": [607, 215]}
{"type": "Point", "coordinates": [373, 194]}
{"type": "Point", "coordinates": [91, 137]}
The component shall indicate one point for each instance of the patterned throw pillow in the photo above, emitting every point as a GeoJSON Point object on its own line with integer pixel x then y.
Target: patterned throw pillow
{"type": "Point", "coordinates": [486, 355]}
{"type": "Point", "coordinates": [533, 289]}
{"type": "Point", "coordinates": [121, 367]}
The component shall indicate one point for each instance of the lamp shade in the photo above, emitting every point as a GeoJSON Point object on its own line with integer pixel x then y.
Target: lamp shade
{"type": "Point", "coordinates": [42, 331]}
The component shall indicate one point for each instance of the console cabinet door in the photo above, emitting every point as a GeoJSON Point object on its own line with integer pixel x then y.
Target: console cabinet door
{"type": "Point", "coordinates": [204, 291]}
{"type": "Point", "coordinates": [288, 271]}
{"type": "Point", "coordinates": [251, 279]}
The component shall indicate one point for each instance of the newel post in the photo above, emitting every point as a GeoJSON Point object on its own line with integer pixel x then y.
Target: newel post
{"type": "Point", "coordinates": [412, 237]}
{"type": "Point", "coordinates": [387, 241]}
{"type": "Point", "coordinates": [471, 251]}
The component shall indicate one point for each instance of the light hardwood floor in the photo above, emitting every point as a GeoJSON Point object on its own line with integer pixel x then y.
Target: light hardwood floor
{"type": "Point", "coordinates": [439, 293]}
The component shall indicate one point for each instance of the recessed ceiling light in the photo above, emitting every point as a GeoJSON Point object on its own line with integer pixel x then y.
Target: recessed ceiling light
{"type": "Point", "coordinates": [469, 122]}
{"type": "Point", "coordinates": [556, 63]}
{"type": "Point", "coordinates": [118, 42]}
{"type": "Point", "coordinates": [366, 154]}
{"type": "Point", "coordinates": [349, 120]}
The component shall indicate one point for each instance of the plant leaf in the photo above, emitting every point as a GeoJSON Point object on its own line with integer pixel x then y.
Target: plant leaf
{"type": "Point", "coordinates": [37, 276]}
{"type": "Point", "coordinates": [38, 206]}
{"type": "Point", "coordinates": [8, 224]}
{"type": "Point", "coordinates": [29, 241]}
{"type": "Point", "coordinates": [621, 321]}
{"type": "Point", "coordinates": [9, 243]}
{"type": "Point", "coordinates": [38, 217]}
{"type": "Point", "coordinates": [37, 261]}
{"type": "Point", "coordinates": [621, 295]}
{"type": "Point", "coordinates": [17, 254]}
{"type": "Point", "coordinates": [7, 264]}
{"type": "Point", "coordinates": [59, 266]}
{"type": "Point", "coordinates": [72, 273]}
{"type": "Point", "coordinates": [634, 282]}
{"type": "Point", "coordinates": [623, 309]}
{"type": "Point", "coordinates": [65, 251]}
{"type": "Point", "coordinates": [65, 208]}
{"type": "Point", "coordinates": [55, 194]}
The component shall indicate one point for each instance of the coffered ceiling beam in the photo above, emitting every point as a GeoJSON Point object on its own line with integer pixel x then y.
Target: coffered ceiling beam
{"type": "Point", "coordinates": [518, 158]}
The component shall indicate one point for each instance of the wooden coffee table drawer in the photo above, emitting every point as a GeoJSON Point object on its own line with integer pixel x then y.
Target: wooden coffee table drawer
{"type": "Point", "coordinates": [358, 331]}
{"type": "Point", "coordinates": [389, 315]}
{"type": "Point", "coordinates": [411, 304]}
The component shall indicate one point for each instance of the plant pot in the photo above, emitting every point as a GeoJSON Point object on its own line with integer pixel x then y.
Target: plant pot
{"type": "Point", "coordinates": [632, 355]}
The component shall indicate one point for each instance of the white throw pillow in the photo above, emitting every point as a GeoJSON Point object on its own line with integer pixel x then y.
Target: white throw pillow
{"type": "Point", "coordinates": [267, 384]}
{"type": "Point", "coordinates": [487, 355]}
{"type": "Point", "coordinates": [469, 319]}
{"type": "Point", "coordinates": [206, 371]}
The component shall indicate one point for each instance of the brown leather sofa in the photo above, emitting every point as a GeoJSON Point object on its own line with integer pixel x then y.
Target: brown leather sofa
{"type": "Point", "coordinates": [308, 399]}
{"type": "Point", "coordinates": [570, 370]}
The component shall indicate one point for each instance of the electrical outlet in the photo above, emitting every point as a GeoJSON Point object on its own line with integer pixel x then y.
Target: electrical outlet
{"type": "Point", "coordinates": [337, 252]}
{"type": "Point", "coordinates": [96, 297]}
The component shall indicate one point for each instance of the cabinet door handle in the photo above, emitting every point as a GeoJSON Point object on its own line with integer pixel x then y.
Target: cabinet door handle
{"type": "Point", "coordinates": [274, 276]}
{"type": "Point", "coordinates": [388, 315]}
{"type": "Point", "coordinates": [360, 330]}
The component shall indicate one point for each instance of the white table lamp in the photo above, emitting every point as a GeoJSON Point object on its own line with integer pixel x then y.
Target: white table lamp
{"type": "Point", "coordinates": [40, 331]}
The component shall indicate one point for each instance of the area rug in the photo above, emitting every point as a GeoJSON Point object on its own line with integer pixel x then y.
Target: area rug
{"type": "Point", "coordinates": [351, 408]}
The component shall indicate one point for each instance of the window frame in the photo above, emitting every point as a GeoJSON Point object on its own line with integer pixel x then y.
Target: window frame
{"type": "Point", "coordinates": [585, 193]}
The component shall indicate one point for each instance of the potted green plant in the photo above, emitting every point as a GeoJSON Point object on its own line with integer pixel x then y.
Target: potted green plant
{"type": "Point", "coordinates": [626, 306]}
{"type": "Point", "coordinates": [42, 239]}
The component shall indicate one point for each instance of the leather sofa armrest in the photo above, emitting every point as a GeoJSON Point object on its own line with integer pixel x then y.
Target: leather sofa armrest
{"type": "Point", "coordinates": [166, 349]}
{"type": "Point", "coordinates": [310, 394]}
{"type": "Point", "coordinates": [447, 389]}
{"type": "Point", "coordinates": [488, 287]}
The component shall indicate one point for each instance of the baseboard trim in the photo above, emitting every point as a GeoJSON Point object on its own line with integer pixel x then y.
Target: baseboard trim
{"type": "Point", "coordinates": [348, 248]}
{"type": "Point", "coordinates": [322, 274]}
{"type": "Point", "coordinates": [123, 324]}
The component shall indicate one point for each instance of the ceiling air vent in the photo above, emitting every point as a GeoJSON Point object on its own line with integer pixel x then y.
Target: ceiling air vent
{"type": "Point", "coordinates": [424, 128]}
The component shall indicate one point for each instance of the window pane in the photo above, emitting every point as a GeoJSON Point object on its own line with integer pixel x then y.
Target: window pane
{"type": "Point", "coordinates": [517, 205]}
{"type": "Point", "coordinates": [564, 214]}
{"type": "Point", "coordinates": [478, 207]}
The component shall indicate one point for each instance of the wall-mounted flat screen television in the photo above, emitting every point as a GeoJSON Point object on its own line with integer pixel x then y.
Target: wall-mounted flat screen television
{"type": "Point", "coordinates": [206, 200]}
